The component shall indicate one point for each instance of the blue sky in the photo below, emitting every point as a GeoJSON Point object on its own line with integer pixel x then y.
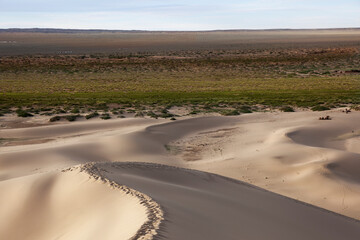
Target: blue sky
{"type": "Point", "coordinates": [179, 15]}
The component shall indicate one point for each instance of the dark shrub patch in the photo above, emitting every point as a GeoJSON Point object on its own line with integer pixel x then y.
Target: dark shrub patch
{"type": "Point", "coordinates": [287, 109]}
{"type": "Point", "coordinates": [139, 114]}
{"type": "Point", "coordinates": [320, 108]}
{"type": "Point", "coordinates": [230, 113]}
{"type": "Point", "coordinates": [23, 113]}
{"type": "Point", "coordinates": [152, 115]}
{"type": "Point", "coordinates": [245, 109]}
{"type": "Point", "coordinates": [105, 116]}
{"type": "Point", "coordinates": [75, 110]}
{"type": "Point", "coordinates": [92, 115]}
{"type": "Point", "coordinates": [71, 118]}
{"type": "Point", "coordinates": [55, 118]}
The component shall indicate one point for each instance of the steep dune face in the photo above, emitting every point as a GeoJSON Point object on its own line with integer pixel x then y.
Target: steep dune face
{"type": "Point", "coordinates": [67, 205]}
{"type": "Point", "coordinates": [200, 205]}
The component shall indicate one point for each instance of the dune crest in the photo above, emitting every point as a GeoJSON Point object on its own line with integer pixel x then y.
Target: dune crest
{"type": "Point", "coordinates": [154, 212]}
{"type": "Point", "coordinates": [75, 204]}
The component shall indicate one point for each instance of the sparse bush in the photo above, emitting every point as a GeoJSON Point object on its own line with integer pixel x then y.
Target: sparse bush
{"type": "Point", "coordinates": [152, 115]}
{"type": "Point", "coordinates": [320, 108]}
{"type": "Point", "coordinates": [45, 109]}
{"type": "Point", "coordinates": [55, 118]}
{"type": "Point", "coordinates": [105, 116]}
{"type": "Point", "coordinates": [287, 109]}
{"type": "Point", "coordinates": [71, 118]}
{"type": "Point", "coordinates": [230, 112]}
{"type": "Point", "coordinates": [166, 115]}
{"type": "Point", "coordinates": [92, 115]}
{"type": "Point", "coordinates": [23, 113]}
{"type": "Point", "coordinates": [59, 110]}
{"type": "Point", "coordinates": [75, 110]}
{"type": "Point", "coordinates": [139, 114]}
{"type": "Point", "coordinates": [245, 109]}
{"type": "Point", "coordinates": [194, 112]}
{"type": "Point", "coordinates": [356, 108]}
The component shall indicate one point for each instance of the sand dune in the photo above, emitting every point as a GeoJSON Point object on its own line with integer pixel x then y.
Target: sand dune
{"type": "Point", "coordinates": [292, 154]}
{"type": "Point", "coordinates": [67, 206]}
{"type": "Point", "coordinates": [200, 205]}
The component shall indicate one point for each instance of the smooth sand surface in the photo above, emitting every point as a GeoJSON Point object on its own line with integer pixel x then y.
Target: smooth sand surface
{"type": "Point", "coordinates": [201, 205]}
{"type": "Point", "coordinates": [67, 205]}
{"type": "Point", "coordinates": [292, 154]}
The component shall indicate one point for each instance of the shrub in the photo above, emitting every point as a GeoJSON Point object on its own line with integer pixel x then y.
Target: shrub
{"type": "Point", "coordinates": [5, 110]}
{"type": "Point", "coordinates": [46, 109]}
{"type": "Point", "coordinates": [71, 118]}
{"type": "Point", "coordinates": [105, 116]}
{"type": "Point", "coordinates": [230, 113]}
{"type": "Point", "coordinates": [287, 109]}
{"type": "Point", "coordinates": [320, 108]}
{"type": "Point", "coordinates": [75, 110]}
{"type": "Point", "coordinates": [356, 108]}
{"type": "Point", "coordinates": [23, 113]}
{"type": "Point", "coordinates": [139, 114]}
{"type": "Point", "coordinates": [92, 115]}
{"type": "Point", "coordinates": [194, 112]}
{"type": "Point", "coordinates": [152, 115]}
{"type": "Point", "coordinates": [166, 115]}
{"type": "Point", "coordinates": [245, 109]}
{"type": "Point", "coordinates": [46, 114]}
{"type": "Point", "coordinates": [59, 110]}
{"type": "Point", "coordinates": [55, 118]}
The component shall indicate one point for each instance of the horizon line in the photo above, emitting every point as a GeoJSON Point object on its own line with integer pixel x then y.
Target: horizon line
{"type": "Point", "coordinates": [140, 30]}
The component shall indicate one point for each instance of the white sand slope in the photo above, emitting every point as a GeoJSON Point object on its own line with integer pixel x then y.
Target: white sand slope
{"type": "Point", "coordinates": [200, 206]}
{"type": "Point", "coordinates": [293, 154]}
{"type": "Point", "coordinates": [67, 206]}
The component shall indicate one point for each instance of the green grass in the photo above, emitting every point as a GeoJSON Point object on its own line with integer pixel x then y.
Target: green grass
{"type": "Point", "coordinates": [303, 98]}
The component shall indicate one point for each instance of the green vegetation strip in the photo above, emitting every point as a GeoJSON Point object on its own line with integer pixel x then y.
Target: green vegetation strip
{"type": "Point", "coordinates": [305, 98]}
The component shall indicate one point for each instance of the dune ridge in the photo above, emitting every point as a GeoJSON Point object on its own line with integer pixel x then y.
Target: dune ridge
{"type": "Point", "coordinates": [198, 204]}
{"type": "Point", "coordinates": [154, 212]}
{"type": "Point", "coordinates": [68, 205]}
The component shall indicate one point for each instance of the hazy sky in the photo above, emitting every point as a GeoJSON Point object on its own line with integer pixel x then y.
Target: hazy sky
{"type": "Point", "coordinates": [179, 15]}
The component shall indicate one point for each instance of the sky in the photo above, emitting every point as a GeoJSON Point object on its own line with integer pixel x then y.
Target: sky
{"type": "Point", "coordinates": [179, 14]}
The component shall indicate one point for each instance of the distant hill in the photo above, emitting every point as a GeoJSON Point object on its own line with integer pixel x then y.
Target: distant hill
{"type": "Point", "coordinates": [60, 30]}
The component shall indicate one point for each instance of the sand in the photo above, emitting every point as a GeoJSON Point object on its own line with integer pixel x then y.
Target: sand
{"type": "Point", "coordinates": [67, 206]}
{"type": "Point", "coordinates": [293, 177]}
